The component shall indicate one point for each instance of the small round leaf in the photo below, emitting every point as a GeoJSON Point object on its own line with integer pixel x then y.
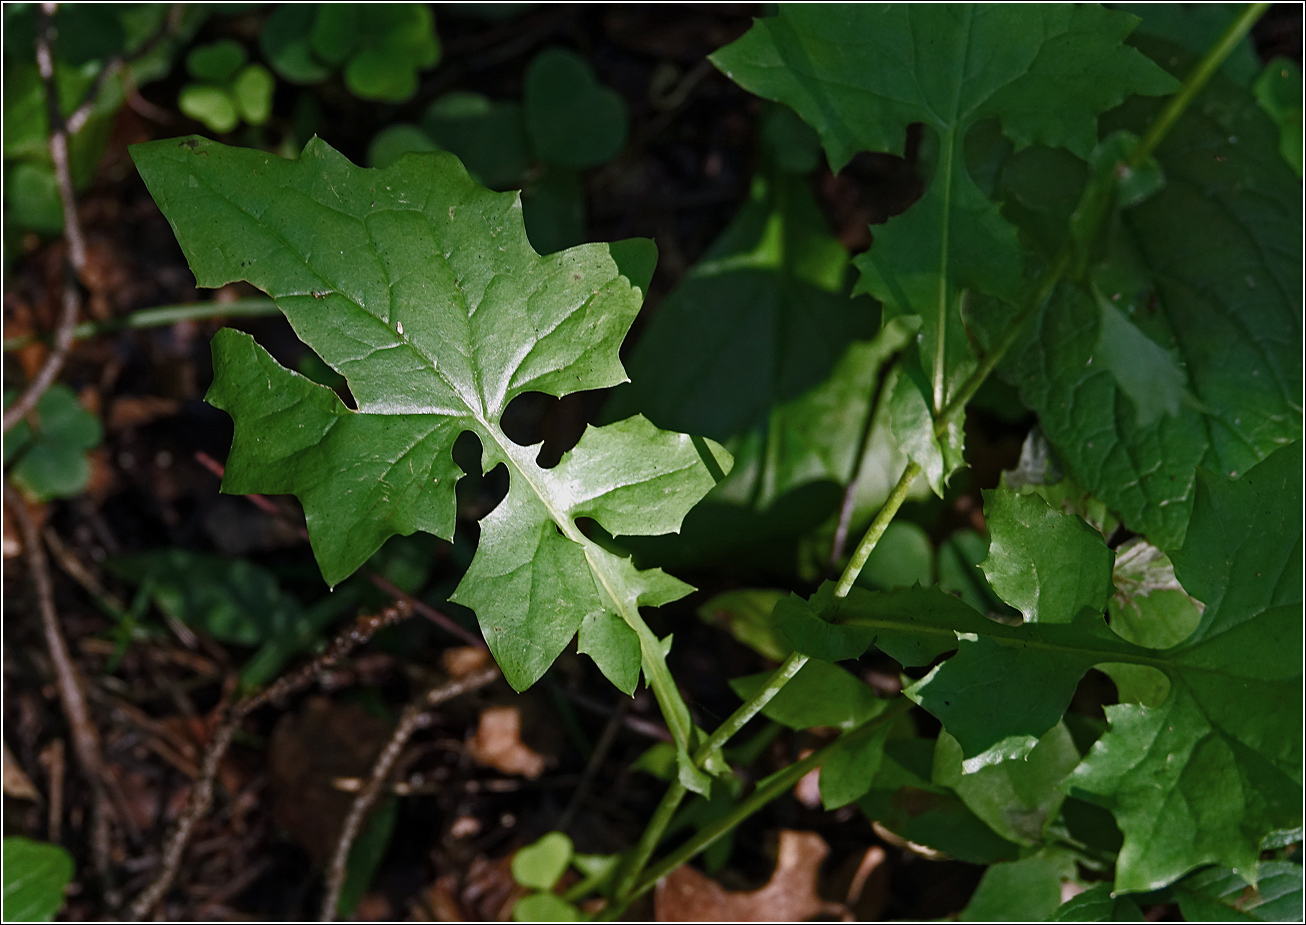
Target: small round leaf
{"type": "Point", "coordinates": [539, 865]}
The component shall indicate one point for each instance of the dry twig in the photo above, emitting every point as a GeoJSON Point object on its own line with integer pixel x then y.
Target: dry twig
{"type": "Point", "coordinates": [201, 796]}
{"type": "Point", "coordinates": [414, 717]}
{"type": "Point", "coordinates": [63, 338]}
{"type": "Point", "coordinates": [68, 680]}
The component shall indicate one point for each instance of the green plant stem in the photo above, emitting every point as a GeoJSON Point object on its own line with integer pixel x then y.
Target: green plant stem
{"type": "Point", "coordinates": [157, 317]}
{"type": "Point", "coordinates": [652, 834]}
{"type": "Point", "coordinates": [876, 529]}
{"type": "Point", "coordinates": [770, 788]}
{"type": "Point", "coordinates": [1194, 82]}
{"type": "Point", "coordinates": [777, 784]}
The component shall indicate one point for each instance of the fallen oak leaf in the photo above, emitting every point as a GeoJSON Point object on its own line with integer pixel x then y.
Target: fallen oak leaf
{"type": "Point", "coordinates": [685, 895]}
{"type": "Point", "coordinates": [497, 743]}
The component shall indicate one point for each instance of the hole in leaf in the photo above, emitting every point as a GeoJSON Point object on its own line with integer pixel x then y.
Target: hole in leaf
{"type": "Point", "coordinates": [535, 418]}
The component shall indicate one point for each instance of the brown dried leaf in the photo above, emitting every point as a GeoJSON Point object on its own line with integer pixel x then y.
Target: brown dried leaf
{"type": "Point", "coordinates": [16, 782]}
{"type": "Point", "coordinates": [462, 661]}
{"type": "Point", "coordinates": [307, 752]}
{"type": "Point", "coordinates": [498, 744]}
{"type": "Point", "coordinates": [685, 895]}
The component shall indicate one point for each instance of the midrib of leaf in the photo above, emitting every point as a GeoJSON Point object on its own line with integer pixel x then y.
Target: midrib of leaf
{"type": "Point", "coordinates": [941, 340]}
{"type": "Point", "coordinates": [654, 662]}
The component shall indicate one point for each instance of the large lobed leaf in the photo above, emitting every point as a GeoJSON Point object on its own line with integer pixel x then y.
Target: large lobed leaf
{"type": "Point", "coordinates": [1200, 778]}
{"type": "Point", "coordinates": [860, 74]}
{"type": "Point", "coordinates": [420, 288]}
{"type": "Point", "coordinates": [1204, 279]}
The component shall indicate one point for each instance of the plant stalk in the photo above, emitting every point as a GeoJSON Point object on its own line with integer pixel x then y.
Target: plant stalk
{"type": "Point", "coordinates": [157, 317]}
{"type": "Point", "coordinates": [1195, 81]}
{"type": "Point", "coordinates": [774, 786]}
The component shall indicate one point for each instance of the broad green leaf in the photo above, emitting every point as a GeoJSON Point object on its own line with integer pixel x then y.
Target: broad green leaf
{"type": "Point", "coordinates": [960, 573]}
{"type": "Point", "coordinates": [541, 863]}
{"type": "Point", "coordinates": [335, 32]}
{"type": "Point", "coordinates": [746, 614]}
{"type": "Point", "coordinates": [1201, 778]}
{"type": "Point", "coordinates": [572, 120]}
{"type": "Point", "coordinates": [860, 74]}
{"type": "Point", "coordinates": [1028, 890]}
{"type": "Point", "coordinates": [820, 694]}
{"type": "Point", "coordinates": [32, 200]}
{"type": "Point", "coordinates": [419, 287]}
{"type": "Point", "coordinates": [1096, 904]}
{"type": "Point", "coordinates": [35, 874]}
{"type": "Point", "coordinates": [904, 800]}
{"type": "Point", "coordinates": [1017, 799]}
{"type": "Point", "coordinates": [1219, 895]}
{"type": "Point", "coordinates": [1209, 269]}
{"type": "Point", "coordinates": [49, 461]}
{"type": "Point", "coordinates": [1046, 564]}
{"type": "Point", "coordinates": [1279, 92]}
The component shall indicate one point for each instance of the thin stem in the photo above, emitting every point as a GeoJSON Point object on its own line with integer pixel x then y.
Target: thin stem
{"type": "Point", "coordinates": [876, 529]}
{"type": "Point", "coordinates": [157, 317]}
{"type": "Point", "coordinates": [774, 786]}
{"type": "Point", "coordinates": [1196, 80]}
{"type": "Point", "coordinates": [676, 791]}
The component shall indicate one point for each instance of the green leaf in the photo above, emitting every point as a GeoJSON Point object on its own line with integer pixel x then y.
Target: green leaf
{"type": "Point", "coordinates": [554, 210]}
{"type": "Point", "coordinates": [903, 557]}
{"type": "Point", "coordinates": [1017, 799]}
{"type": "Point", "coordinates": [335, 32]}
{"type": "Point", "coordinates": [904, 800]}
{"type": "Point", "coordinates": [746, 614]}
{"type": "Point", "coordinates": [35, 874]}
{"type": "Point", "coordinates": [87, 32]}
{"type": "Point", "coordinates": [211, 105]}
{"type": "Point", "coordinates": [32, 199]}
{"type": "Point", "coordinates": [420, 288]}
{"type": "Point", "coordinates": [545, 907]}
{"type": "Point", "coordinates": [1219, 895]}
{"type": "Point", "coordinates": [1224, 752]}
{"type": "Point", "coordinates": [1279, 92]}
{"type": "Point", "coordinates": [487, 135]}
{"type": "Point", "coordinates": [1209, 269]}
{"type": "Point", "coordinates": [572, 120]}
{"type": "Point", "coordinates": [820, 694]}
{"type": "Point", "coordinates": [252, 93]}
{"type": "Point", "coordinates": [396, 40]}
{"type": "Point", "coordinates": [1096, 904]}
{"type": "Point", "coordinates": [216, 62]}
{"type": "Point", "coordinates": [850, 772]}
{"type": "Point", "coordinates": [285, 43]}
{"type": "Point", "coordinates": [396, 140]}
{"type": "Point", "coordinates": [614, 646]}
{"type": "Point", "coordinates": [540, 864]}
{"type": "Point", "coordinates": [1046, 564]}
{"type": "Point", "coordinates": [51, 462]}
{"type": "Point", "coordinates": [791, 141]}
{"type": "Point", "coordinates": [857, 74]}
{"type": "Point", "coordinates": [1028, 890]}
